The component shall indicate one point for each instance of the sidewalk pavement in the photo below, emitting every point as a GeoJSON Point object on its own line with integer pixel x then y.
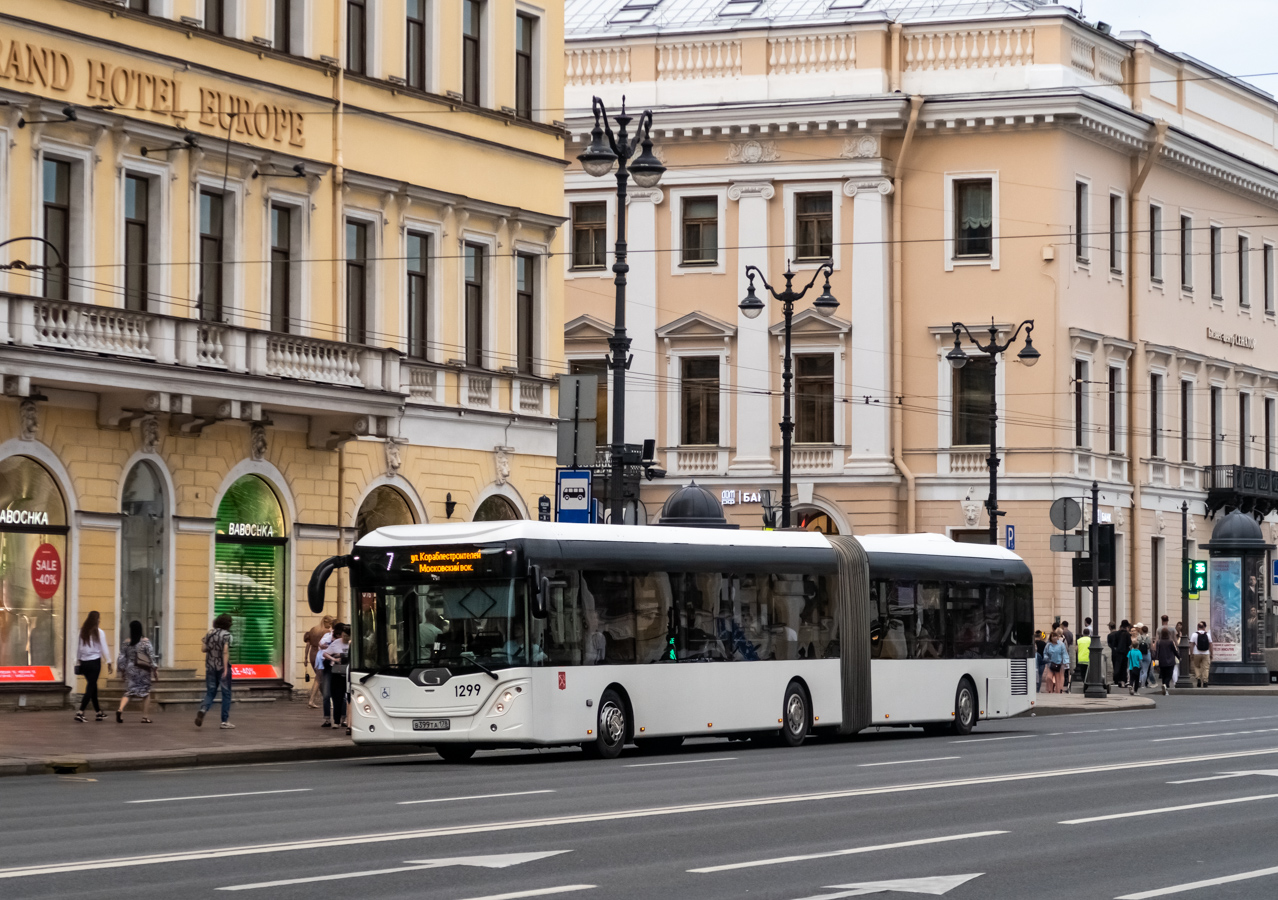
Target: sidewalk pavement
{"type": "Point", "coordinates": [1065, 704]}
{"type": "Point", "coordinates": [39, 742]}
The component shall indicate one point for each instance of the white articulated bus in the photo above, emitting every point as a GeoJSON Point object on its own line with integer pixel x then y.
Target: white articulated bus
{"type": "Point", "coordinates": [532, 634]}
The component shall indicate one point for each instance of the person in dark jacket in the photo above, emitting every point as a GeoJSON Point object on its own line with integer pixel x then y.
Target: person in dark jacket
{"type": "Point", "coordinates": [1167, 654]}
{"type": "Point", "coordinates": [1122, 643]}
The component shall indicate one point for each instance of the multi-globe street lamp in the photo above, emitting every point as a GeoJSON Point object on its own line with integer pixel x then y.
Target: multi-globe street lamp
{"type": "Point", "coordinates": [605, 151]}
{"type": "Point", "coordinates": [751, 306]}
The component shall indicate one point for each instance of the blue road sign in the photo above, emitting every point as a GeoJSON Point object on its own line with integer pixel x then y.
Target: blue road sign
{"type": "Point", "coordinates": [572, 495]}
{"type": "Point", "coordinates": [1276, 571]}
{"type": "Point", "coordinates": [1011, 537]}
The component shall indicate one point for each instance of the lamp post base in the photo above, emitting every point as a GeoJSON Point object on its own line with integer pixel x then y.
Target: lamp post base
{"type": "Point", "coordinates": [1094, 687]}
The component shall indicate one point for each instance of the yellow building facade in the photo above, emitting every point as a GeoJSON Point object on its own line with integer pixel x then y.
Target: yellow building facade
{"type": "Point", "coordinates": [278, 274]}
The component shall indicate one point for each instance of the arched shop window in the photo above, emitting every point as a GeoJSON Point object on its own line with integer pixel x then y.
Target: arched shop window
{"type": "Point", "coordinates": [33, 558]}
{"type": "Point", "coordinates": [249, 577]}
{"type": "Point", "coordinates": [383, 506]}
{"type": "Point", "coordinates": [144, 554]}
{"type": "Point", "coordinates": [496, 509]}
{"type": "Point", "coordinates": [815, 520]}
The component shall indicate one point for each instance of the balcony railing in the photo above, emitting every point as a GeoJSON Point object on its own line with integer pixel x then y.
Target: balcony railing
{"type": "Point", "coordinates": [1247, 488]}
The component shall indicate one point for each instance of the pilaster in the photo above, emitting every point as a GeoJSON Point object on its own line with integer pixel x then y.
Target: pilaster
{"type": "Point", "coordinates": [754, 425]}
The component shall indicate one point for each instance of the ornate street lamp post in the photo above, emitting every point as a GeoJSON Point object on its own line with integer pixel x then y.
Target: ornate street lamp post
{"type": "Point", "coordinates": [598, 160]}
{"type": "Point", "coordinates": [958, 359]}
{"type": "Point", "coordinates": [751, 306]}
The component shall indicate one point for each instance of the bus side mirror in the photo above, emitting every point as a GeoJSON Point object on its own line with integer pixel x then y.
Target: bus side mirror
{"type": "Point", "coordinates": [539, 587]}
{"type": "Point", "coordinates": [315, 588]}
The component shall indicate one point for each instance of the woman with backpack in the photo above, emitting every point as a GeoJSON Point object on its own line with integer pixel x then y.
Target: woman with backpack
{"type": "Point", "coordinates": [1057, 658]}
{"type": "Point", "coordinates": [1200, 656]}
{"type": "Point", "coordinates": [217, 669]}
{"type": "Point", "coordinates": [137, 662]}
{"type": "Point", "coordinates": [1146, 653]}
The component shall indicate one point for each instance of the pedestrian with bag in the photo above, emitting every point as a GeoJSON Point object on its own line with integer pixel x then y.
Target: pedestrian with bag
{"type": "Point", "coordinates": [1040, 641]}
{"type": "Point", "coordinates": [90, 651]}
{"type": "Point", "coordinates": [1067, 638]}
{"type": "Point", "coordinates": [137, 664]}
{"type": "Point", "coordinates": [1057, 659]}
{"type": "Point", "coordinates": [325, 673]}
{"type": "Point", "coordinates": [1121, 646]}
{"type": "Point", "coordinates": [1200, 656]}
{"type": "Point", "coordinates": [335, 661]}
{"type": "Point", "coordinates": [1166, 655]}
{"type": "Point", "coordinates": [1141, 631]}
{"type": "Point", "coordinates": [312, 639]}
{"type": "Point", "coordinates": [217, 669]}
{"type": "Point", "coordinates": [1134, 660]}
{"type": "Point", "coordinates": [1084, 654]}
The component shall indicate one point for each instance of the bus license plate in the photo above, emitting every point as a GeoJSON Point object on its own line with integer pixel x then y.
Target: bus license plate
{"type": "Point", "coordinates": [431, 724]}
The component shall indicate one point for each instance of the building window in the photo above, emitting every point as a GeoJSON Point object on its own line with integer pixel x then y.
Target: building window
{"type": "Point", "coordinates": [700, 231]}
{"type": "Point", "coordinates": [282, 316]}
{"type": "Point", "coordinates": [1186, 253]}
{"type": "Point", "coordinates": [472, 23]}
{"type": "Point", "coordinates": [1115, 233]}
{"type": "Point", "coordinates": [57, 226]}
{"type": "Point", "coordinates": [974, 219]}
{"type": "Point", "coordinates": [1217, 269]}
{"type": "Point", "coordinates": [1269, 432]}
{"type": "Point", "coordinates": [1156, 244]}
{"type": "Point", "coordinates": [589, 235]}
{"type": "Point", "coordinates": [1186, 420]}
{"type": "Point", "coordinates": [814, 226]}
{"type": "Point", "coordinates": [137, 241]}
{"type": "Point", "coordinates": [524, 66]}
{"type": "Point", "coordinates": [699, 392]}
{"type": "Point", "coordinates": [215, 16]}
{"type": "Point", "coordinates": [814, 399]}
{"type": "Point", "coordinates": [1267, 266]}
{"type": "Point", "coordinates": [356, 282]}
{"type": "Point", "coordinates": [973, 396]}
{"type": "Point", "coordinates": [357, 36]}
{"type": "Point", "coordinates": [1244, 426]}
{"type": "Point", "coordinates": [142, 6]}
{"type": "Point", "coordinates": [415, 51]}
{"type": "Point", "coordinates": [1217, 419]}
{"type": "Point", "coordinates": [212, 255]}
{"type": "Point", "coordinates": [474, 305]}
{"type": "Point", "coordinates": [1155, 415]}
{"type": "Point", "coordinates": [598, 368]}
{"type": "Point", "coordinates": [1244, 271]}
{"type": "Point", "coordinates": [1080, 221]}
{"type": "Point", "coordinates": [1080, 403]}
{"type": "Point", "coordinates": [282, 39]}
{"type": "Point", "coordinates": [1114, 401]}
{"type": "Point", "coordinates": [525, 311]}
{"type": "Point", "coordinates": [418, 295]}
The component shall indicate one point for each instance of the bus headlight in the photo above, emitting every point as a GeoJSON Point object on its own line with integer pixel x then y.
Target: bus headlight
{"type": "Point", "coordinates": [501, 705]}
{"type": "Point", "coordinates": [361, 703]}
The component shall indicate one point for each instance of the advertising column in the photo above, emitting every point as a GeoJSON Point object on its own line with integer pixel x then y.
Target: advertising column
{"type": "Point", "coordinates": [33, 555]}
{"type": "Point", "coordinates": [249, 577]}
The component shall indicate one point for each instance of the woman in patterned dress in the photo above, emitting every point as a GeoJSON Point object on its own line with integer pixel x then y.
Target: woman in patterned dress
{"type": "Point", "coordinates": [137, 662]}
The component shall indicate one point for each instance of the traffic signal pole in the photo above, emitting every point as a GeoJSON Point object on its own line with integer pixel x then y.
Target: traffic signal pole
{"type": "Point", "coordinates": [1095, 684]}
{"type": "Point", "coordinates": [1184, 681]}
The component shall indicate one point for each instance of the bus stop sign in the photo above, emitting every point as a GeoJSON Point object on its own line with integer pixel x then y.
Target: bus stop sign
{"type": "Point", "coordinates": [572, 495]}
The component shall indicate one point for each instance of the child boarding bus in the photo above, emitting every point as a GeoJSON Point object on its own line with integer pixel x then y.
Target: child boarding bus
{"type": "Point", "coordinates": [538, 634]}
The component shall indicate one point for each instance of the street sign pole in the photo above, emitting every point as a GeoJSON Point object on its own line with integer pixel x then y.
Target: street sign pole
{"type": "Point", "coordinates": [1184, 681]}
{"type": "Point", "coordinates": [1095, 685]}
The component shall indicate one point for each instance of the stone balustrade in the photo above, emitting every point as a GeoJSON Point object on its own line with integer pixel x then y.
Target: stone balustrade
{"type": "Point", "coordinates": [975, 48]}
{"type": "Point", "coordinates": [681, 60]}
{"type": "Point", "coordinates": [811, 54]}
{"type": "Point", "coordinates": [596, 65]}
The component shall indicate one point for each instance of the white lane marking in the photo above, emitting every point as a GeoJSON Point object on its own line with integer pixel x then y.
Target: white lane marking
{"type": "Point", "coordinates": [473, 797]}
{"type": "Point", "coordinates": [1209, 778]}
{"type": "Point", "coordinates": [1171, 725]}
{"type": "Point", "coordinates": [830, 853]}
{"type": "Point", "coordinates": [935, 885]}
{"type": "Point", "coordinates": [537, 892]}
{"type": "Point", "coordinates": [679, 762]}
{"type": "Point", "coordinates": [1195, 737]}
{"type": "Point", "coordinates": [220, 796]}
{"type": "Point", "coordinates": [501, 861]}
{"type": "Point", "coordinates": [1007, 737]}
{"type": "Point", "coordinates": [586, 818]}
{"type": "Point", "coordinates": [901, 762]}
{"type": "Point", "coordinates": [1166, 809]}
{"type": "Point", "coordinates": [1195, 885]}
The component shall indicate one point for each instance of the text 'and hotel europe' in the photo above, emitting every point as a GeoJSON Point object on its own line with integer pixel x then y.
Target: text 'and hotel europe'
{"type": "Point", "coordinates": [123, 87]}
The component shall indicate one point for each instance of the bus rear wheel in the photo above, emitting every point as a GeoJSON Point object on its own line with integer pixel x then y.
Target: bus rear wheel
{"type": "Point", "coordinates": [965, 707]}
{"type": "Point", "coordinates": [610, 728]}
{"type": "Point", "coordinates": [455, 753]}
{"type": "Point", "coordinates": [795, 715]}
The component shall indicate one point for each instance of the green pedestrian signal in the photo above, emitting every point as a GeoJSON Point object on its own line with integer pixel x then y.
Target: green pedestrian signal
{"type": "Point", "coordinates": [1197, 577]}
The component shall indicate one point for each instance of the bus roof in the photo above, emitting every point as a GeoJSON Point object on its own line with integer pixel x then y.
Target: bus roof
{"type": "Point", "coordinates": [929, 544]}
{"type": "Point", "coordinates": [515, 530]}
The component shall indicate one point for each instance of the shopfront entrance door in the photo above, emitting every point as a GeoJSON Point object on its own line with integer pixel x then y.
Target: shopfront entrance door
{"type": "Point", "coordinates": [144, 556]}
{"type": "Point", "coordinates": [249, 577]}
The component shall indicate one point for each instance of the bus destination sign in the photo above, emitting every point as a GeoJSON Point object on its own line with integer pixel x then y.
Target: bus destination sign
{"type": "Point", "coordinates": [458, 561]}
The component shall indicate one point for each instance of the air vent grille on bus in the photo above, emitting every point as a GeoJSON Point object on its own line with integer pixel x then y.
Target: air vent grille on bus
{"type": "Point", "coordinates": [1020, 677]}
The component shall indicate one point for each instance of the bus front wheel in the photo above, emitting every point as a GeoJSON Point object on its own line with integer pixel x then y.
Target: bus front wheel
{"type": "Point", "coordinates": [795, 715]}
{"type": "Point", "coordinates": [610, 730]}
{"type": "Point", "coordinates": [455, 753]}
{"type": "Point", "coordinates": [965, 707]}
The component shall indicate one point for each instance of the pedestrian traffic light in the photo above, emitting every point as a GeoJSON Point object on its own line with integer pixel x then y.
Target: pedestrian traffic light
{"type": "Point", "coordinates": [1197, 575]}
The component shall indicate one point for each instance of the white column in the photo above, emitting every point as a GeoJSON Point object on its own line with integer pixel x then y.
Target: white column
{"type": "Point", "coordinates": [755, 427]}
{"type": "Point", "coordinates": [869, 439]}
{"type": "Point", "coordinates": [641, 313]}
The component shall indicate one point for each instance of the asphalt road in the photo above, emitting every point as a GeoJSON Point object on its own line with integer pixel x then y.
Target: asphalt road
{"type": "Point", "coordinates": [993, 815]}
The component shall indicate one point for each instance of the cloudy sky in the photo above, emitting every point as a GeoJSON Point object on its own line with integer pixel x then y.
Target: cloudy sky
{"type": "Point", "coordinates": [1237, 36]}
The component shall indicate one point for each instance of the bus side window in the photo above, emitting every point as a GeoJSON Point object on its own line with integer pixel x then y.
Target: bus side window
{"type": "Point", "coordinates": [964, 620]}
{"type": "Point", "coordinates": [652, 594]}
{"type": "Point", "coordinates": [562, 630]}
{"type": "Point", "coordinates": [610, 620]}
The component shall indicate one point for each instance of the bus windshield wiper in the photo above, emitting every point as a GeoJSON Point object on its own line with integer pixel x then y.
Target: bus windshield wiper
{"type": "Point", "coordinates": [496, 677]}
{"type": "Point", "coordinates": [469, 659]}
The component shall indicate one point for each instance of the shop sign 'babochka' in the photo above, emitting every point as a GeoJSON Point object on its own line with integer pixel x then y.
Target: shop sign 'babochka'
{"type": "Point", "coordinates": [123, 87]}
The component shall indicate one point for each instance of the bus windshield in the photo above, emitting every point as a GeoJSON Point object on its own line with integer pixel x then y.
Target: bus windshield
{"type": "Point", "coordinates": [458, 625]}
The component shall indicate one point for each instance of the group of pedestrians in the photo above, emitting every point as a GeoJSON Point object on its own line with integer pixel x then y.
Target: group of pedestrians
{"type": "Point", "coordinates": [136, 661]}
{"type": "Point", "coordinates": [328, 654]}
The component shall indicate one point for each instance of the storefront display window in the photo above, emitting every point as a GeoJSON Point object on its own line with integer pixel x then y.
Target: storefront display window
{"type": "Point", "coordinates": [383, 506]}
{"type": "Point", "coordinates": [33, 557]}
{"type": "Point", "coordinates": [249, 576]}
{"type": "Point", "coordinates": [496, 509]}
{"type": "Point", "coordinates": [143, 544]}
